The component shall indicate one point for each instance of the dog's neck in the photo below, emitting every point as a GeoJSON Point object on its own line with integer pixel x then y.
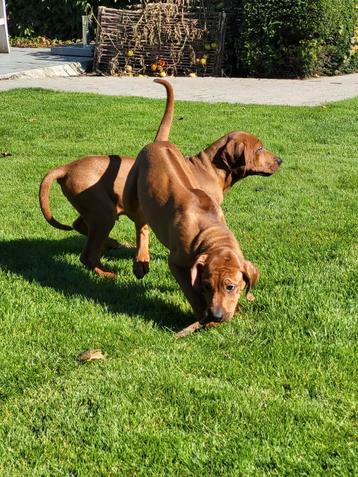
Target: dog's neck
{"type": "Point", "coordinates": [215, 237]}
{"type": "Point", "coordinates": [211, 179]}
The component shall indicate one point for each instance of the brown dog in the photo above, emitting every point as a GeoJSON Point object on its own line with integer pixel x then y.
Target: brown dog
{"type": "Point", "coordinates": [94, 186]}
{"type": "Point", "coordinates": [205, 257]}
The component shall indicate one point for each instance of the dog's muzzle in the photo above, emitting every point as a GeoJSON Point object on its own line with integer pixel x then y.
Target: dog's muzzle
{"type": "Point", "coordinates": [216, 314]}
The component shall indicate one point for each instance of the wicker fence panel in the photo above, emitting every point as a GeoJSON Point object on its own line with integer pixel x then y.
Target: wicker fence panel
{"type": "Point", "coordinates": [160, 39]}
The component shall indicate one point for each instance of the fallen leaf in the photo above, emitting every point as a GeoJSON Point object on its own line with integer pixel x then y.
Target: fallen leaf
{"type": "Point", "coordinates": [91, 355]}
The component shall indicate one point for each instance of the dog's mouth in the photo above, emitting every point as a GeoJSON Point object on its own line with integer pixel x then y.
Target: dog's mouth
{"type": "Point", "coordinates": [267, 171]}
{"type": "Point", "coordinates": [211, 317]}
{"type": "Point", "coordinates": [265, 174]}
{"type": "Point", "coordinates": [262, 173]}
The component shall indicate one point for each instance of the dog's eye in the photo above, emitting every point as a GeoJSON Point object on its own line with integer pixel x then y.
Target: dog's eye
{"type": "Point", "coordinates": [230, 287]}
{"type": "Point", "coordinates": [259, 149]}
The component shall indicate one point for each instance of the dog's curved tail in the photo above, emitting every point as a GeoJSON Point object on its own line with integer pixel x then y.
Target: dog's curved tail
{"type": "Point", "coordinates": [44, 193]}
{"type": "Point", "coordinates": [166, 123]}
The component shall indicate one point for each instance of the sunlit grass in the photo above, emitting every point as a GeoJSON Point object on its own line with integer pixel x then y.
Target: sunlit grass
{"type": "Point", "coordinates": [271, 393]}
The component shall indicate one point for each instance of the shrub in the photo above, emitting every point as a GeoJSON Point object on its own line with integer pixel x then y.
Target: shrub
{"type": "Point", "coordinates": [51, 18]}
{"type": "Point", "coordinates": [295, 38]}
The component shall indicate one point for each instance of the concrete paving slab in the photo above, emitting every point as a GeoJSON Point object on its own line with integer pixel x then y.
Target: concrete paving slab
{"type": "Point", "coordinates": [37, 68]}
{"type": "Point", "coordinates": [73, 50]}
{"type": "Point", "coordinates": [308, 92]}
{"type": "Point", "coordinates": [39, 63]}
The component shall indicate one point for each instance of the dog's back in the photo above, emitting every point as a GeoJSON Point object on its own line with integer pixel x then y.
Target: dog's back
{"type": "Point", "coordinates": [170, 197]}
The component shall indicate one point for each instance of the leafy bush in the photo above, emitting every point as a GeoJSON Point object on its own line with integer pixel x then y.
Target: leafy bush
{"type": "Point", "coordinates": [290, 38]}
{"type": "Point", "coordinates": [51, 18]}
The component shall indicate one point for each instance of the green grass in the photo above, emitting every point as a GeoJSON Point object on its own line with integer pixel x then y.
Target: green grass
{"type": "Point", "coordinates": [271, 393]}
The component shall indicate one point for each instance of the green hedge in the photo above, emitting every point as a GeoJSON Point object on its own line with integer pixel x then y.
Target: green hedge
{"type": "Point", "coordinates": [59, 19]}
{"type": "Point", "coordinates": [295, 38]}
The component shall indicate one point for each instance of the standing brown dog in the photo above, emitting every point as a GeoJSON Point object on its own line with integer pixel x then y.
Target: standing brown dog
{"type": "Point", "coordinates": [94, 186]}
{"type": "Point", "coordinates": [205, 258]}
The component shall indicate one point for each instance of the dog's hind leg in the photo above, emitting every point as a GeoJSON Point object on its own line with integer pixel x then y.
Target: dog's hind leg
{"type": "Point", "coordinates": [97, 235]}
{"type": "Point", "coordinates": [81, 227]}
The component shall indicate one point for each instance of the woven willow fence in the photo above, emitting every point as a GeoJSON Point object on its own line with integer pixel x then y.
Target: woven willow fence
{"type": "Point", "coordinates": [160, 39]}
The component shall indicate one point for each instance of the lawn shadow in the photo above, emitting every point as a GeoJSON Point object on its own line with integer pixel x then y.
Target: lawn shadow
{"type": "Point", "coordinates": [43, 261]}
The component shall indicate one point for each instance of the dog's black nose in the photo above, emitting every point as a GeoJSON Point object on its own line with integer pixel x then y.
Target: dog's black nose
{"type": "Point", "coordinates": [216, 314]}
{"type": "Point", "coordinates": [279, 160]}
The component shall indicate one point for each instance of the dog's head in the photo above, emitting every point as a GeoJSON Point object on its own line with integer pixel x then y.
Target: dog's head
{"type": "Point", "coordinates": [243, 154]}
{"type": "Point", "coordinates": [220, 278]}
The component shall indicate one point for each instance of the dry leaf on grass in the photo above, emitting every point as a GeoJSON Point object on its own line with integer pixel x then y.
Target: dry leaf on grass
{"type": "Point", "coordinates": [91, 355]}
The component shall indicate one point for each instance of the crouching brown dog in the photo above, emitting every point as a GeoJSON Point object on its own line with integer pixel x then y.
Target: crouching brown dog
{"type": "Point", "coordinates": [205, 258]}
{"type": "Point", "coordinates": [94, 186]}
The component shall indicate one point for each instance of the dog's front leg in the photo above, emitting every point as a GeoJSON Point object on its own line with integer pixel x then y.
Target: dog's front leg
{"type": "Point", "coordinates": [183, 277]}
{"type": "Point", "coordinates": [141, 260]}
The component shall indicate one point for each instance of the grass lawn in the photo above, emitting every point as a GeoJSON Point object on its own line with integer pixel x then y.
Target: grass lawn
{"type": "Point", "coordinates": [271, 393]}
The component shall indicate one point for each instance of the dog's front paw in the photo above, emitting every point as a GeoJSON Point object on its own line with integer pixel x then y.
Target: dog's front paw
{"type": "Point", "coordinates": [140, 269]}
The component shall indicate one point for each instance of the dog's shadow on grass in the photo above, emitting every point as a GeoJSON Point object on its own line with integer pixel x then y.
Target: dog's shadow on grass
{"type": "Point", "coordinates": [43, 261]}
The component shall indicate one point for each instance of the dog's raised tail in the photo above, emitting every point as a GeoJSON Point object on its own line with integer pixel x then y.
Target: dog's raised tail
{"type": "Point", "coordinates": [166, 123]}
{"type": "Point", "coordinates": [44, 193]}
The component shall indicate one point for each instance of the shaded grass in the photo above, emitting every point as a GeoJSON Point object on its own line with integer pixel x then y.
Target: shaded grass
{"type": "Point", "coordinates": [271, 393]}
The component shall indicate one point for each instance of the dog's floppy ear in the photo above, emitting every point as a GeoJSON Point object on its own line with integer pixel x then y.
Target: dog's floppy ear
{"type": "Point", "coordinates": [233, 152]}
{"type": "Point", "coordinates": [251, 276]}
{"type": "Point", "coordinates": [196, 271]}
